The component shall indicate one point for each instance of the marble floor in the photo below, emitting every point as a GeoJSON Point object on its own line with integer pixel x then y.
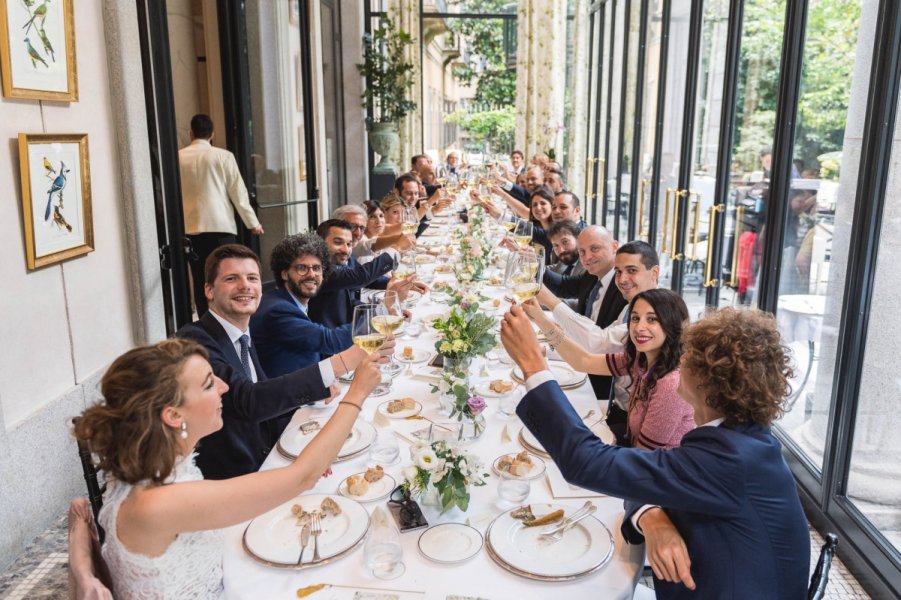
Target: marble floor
{"type": "Point", "coordinates": [40, 572]}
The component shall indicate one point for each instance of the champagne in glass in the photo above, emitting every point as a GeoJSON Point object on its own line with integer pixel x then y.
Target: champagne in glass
{"type": "Point", "coordinates": [523, 275]}
{"type": "Point", "coordinates": [406, 266]}
{"type": "Point", "coordinates": [411, 221]}
{"type": "Point", "coordinates": [389, 319]}
{"type": "Point", "coordinates": [365, 335]}
{"type": "Point", "coordinates": [522, 233]}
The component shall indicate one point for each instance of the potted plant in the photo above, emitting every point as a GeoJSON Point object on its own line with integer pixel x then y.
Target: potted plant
{"type": "Point", "coordinates": [388, 77]}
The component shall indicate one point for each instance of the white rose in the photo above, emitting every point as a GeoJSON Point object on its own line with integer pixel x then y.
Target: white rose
{"type": "Point", "coordinates": [424, 458]}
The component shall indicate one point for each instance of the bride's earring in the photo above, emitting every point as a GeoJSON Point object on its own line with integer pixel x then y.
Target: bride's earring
{"type": "Point", "coordinates": [184, 430]}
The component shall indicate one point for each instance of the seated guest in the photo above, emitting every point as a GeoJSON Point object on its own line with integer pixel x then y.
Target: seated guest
{"type": "Point", "coordinates": [453, 163]}
{"type": "Point", "coordinates": [726, 489]}
{"type": "Point", "coordinates": [553, 178]}
{"type": "Point", "coordinates": [334, 305]}
{"type": "Point", "coordinates": [283, 333]}
{"type": "Point", "coordinates": [366, 246]}
{"type": "Point", "coordinates": [566, 207]}
{"type": "Point", "coordinates": [393, 210]}
{"type": "Point", "coordinates": [541, 201]}
{"type": "Point", "coordinates": [563, 235]}
{"type": "Point", "coordinates": [163, 522]}
{"type": "Point", "coordinates": [516, 196]}
{"type": "Point", "coordinates": [658, 417]}
{"type": "Point", "coordinates": [233, 288]}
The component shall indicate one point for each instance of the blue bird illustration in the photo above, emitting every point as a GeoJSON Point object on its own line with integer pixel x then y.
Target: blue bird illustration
{"type": "Point", "coordinates": [33, 55]}
{"type": "Point", "coordinates": [56, 188]}
{"type": "Point", "coordinates": [39, 13]}
{"type": "Point", "coordinates": [46, 42]}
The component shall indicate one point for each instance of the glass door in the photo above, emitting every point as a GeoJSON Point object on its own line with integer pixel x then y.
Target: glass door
{"type": "Point", "coordinates": [616, 40]}
{"type": "Point", "coordinates": [594, 163]}
{"type": "Point", "coordinates": [624, 181]}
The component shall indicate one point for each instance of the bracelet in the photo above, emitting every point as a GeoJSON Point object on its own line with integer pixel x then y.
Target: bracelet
{"type": "Point", "coordinates": [349, 403]}
{"type": "Point", "coordinates": [344, 364]}
{"type": "Point", "coordinates": [555, 337]}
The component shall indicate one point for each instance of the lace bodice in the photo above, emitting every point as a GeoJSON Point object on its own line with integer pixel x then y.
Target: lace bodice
{"type": "Point", "coordinates": [191, 567]}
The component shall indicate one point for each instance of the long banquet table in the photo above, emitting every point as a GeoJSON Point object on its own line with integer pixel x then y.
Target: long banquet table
{"type": "Point", "coordinates": [478, 577]}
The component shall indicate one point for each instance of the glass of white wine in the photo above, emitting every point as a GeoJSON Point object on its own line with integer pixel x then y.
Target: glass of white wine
{"type": "Point", "coordinates": [367, 336]}
{"type": "Point", "coordinates": [411, 221]}
{"type": "Point", "coordinates": [388, 321]}
{"type": "Point", "coordinates": [523, 275]}
{"type": "Point", "coordinates": [522, 233]}
{"type": "Point", "coordinates": [406, 266]}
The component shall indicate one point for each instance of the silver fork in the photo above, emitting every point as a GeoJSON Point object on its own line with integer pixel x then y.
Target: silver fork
{"type": "Point", "coordinates": [584, 511]}
{"type": "Point", "coordinates": [316, 529]}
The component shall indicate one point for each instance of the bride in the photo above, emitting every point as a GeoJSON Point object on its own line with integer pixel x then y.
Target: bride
{"type": "Point", "coordinates": [161, 517]}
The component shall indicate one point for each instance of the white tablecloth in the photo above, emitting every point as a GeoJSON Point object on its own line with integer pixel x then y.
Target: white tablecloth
{"type": "Point", "coordinates": [480, 576]}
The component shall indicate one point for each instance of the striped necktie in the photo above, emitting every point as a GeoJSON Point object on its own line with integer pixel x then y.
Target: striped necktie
{"type": "Point", "coordinates": [244, 340]}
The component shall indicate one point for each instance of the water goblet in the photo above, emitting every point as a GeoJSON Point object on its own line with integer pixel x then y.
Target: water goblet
{"type": "Point", "coordinates": [384, 449]}
{"type": "Point", "coordinates": [506, 408]}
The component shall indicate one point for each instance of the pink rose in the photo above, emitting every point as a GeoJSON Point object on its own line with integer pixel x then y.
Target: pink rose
{"type": "Point", "coordinates": [476, 404]}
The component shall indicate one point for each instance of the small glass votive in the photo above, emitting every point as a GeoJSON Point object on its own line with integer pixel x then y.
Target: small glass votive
{"type": "Point", "coordinates": [512, 490]}
{"type": "Point", "coordinates": [506, 408]}
{"type": "Point", "coordinates": [445, 432]}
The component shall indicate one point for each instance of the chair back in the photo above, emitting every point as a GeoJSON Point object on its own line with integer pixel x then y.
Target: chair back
{"type": "Point", "coordinates": [820, 576]}
{"type": "Point", "coordinates": [93, 482]}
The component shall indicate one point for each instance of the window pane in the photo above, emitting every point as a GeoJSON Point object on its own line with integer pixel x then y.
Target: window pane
{"type": "Point", "coordinates": [838, 49]}
{"type": "Point", "coordinates": [650, 84]}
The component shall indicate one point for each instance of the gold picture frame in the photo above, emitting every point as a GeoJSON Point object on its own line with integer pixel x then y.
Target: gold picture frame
{"type": "Point", "coordinates": [37, 50]}
{"type": "Point", "coordinates": [56, 197]}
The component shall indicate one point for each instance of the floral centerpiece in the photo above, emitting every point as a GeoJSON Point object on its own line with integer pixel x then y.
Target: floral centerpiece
{"type": "Point", "coordinates": [475, 248]}
{"type": "Point", "coordinates": [446, 468]}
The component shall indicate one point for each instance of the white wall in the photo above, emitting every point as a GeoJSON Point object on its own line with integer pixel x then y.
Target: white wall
{"type": "Point", "coordinates": [60, 325]}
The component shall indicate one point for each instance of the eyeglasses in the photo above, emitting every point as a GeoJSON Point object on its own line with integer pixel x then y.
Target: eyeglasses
{"type": "Point", "coordinates": [358, 228]}
{"type": "Point", "coordinates": [304, 269]}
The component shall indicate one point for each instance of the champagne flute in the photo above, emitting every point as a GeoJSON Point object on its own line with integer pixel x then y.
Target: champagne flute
{"type": "Point", "coordinates": [411, 221]}
{"type": "Point", "coordinates": [522, 233]}
{"type": "Point", "coordinates": [405, 267]}
{"type": "Point", "coordinates": [523, 275]}
{"type": "Point", "coordinates": [368, 337]}
{"type": "Point", "coordinates": [388, 321]}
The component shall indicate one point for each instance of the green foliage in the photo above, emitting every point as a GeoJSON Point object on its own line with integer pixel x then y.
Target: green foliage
{"type": "Point", "coordinates": [486, 65]}
{"type": "Point", "coordinates": [388, 75]}
{"type": "Point", "coordinates": [496, 128]}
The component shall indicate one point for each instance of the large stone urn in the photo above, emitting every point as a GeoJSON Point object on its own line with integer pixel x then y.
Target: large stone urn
{"type": "Point", "coordinates": [385, 142]}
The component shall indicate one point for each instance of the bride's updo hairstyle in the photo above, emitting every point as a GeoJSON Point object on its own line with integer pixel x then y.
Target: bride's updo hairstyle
{"type": "Point", "coordinates": [125, 430]}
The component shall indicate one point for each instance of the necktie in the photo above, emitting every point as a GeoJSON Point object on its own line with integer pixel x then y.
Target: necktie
{"type": "Point", "coordinates": [244, 340]}
{"type": "Point", "coordinates": [593, 297]}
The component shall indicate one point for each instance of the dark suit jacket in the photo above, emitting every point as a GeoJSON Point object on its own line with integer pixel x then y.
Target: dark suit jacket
{"type": "Point", "coordinates": [246, 437]}
{"type": "Point", "coordinates": [521, 194]}
{"type": "Point", "coordinates": [285, 337]}
{"type": "Point", "coordinates": [334, 305]}
{"type": "Point", "coordinates": [727, 489]}
{"type": "Point", "coordinates": [612, 305]}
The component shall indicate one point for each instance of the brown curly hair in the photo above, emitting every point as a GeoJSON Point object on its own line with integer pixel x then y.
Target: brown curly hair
{"type": "Point", "coordinates": [744, 369]}
{"type": "Point", "coordinates": [126, 430]}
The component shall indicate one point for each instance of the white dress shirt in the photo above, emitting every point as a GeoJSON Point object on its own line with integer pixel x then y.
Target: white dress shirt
{"type": "Point", "coordinates": [585, 331]}
{"type": "Point", "coordinates": [210, 185]}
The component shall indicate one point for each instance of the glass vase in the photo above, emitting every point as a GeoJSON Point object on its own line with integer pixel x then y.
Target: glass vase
{"type": "Point", "coordinates": [429, 496]}
{"type": "Point", "coordinates": [473, 427]}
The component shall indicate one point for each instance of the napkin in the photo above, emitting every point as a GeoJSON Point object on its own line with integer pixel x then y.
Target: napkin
{"type": "Point", "coordinates": [560, 488]}
{"type": "Point", "coordinates": [505, 435]}
{"type": "Point", "coordinates": [428, 374]}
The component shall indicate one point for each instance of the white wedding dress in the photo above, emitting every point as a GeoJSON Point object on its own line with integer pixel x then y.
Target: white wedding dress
{"type": "Point", "coordinates": [190, 568]}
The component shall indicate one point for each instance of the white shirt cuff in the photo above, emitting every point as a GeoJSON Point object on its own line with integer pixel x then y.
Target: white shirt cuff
{"type": "Point", "coordinates": [326, 372]}
{"type": "Point", "coordinates": [507, 186]}
{"type": "Point", "coordinates": [538, 378]}
{"type": "Point", "coordinates": [636, 516]}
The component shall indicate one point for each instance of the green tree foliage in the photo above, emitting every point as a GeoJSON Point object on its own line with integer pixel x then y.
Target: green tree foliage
{"type": "Point", "coordinates": [486, 66]}
{"type": "Point", "coordinates": [490, 129]}
{"type": "Point", "coordinates": [388, 74]}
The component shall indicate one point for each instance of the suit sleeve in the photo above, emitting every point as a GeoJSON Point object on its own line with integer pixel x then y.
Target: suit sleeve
{"type": "Point", "coordinates": [264, 400]}
{"type": "Point", "coordinates": [358, 276]}
{"type": "Point", "coordinates": [566, 286]}
{"type": "Point", "coordinates": [303, 334]}
{"type": "Point", "coordinates": [703, 475]}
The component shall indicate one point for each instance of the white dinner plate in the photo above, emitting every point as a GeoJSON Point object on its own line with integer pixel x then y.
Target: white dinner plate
{"type": "Point", "coordinates": [432, 232]}
{"type": "Point", "coordinates": [565, 375]}
{"type": "Point", "coordinates": [430, 319]}
{"type": "Point", "coordinates": [418, 356]}
{"type": "Point", "coordinates": [383, 409]}
{"type": "Point", "coordinates": [538, 467]}
{"type": "Point", "coordinates": [412, 297]}
{"type": "Point", "coordinates": [450, 543]}
{"type": "Point", "coordinates": [483, 390]}
{"type": "Point", "coordinates": [424, 259]}
{"type": "Point", "coordinates": [531, 443]}
{"type": "Point", "coordinates": [293, 440]}
{"type": "Point", "coordinates": [274, 538]}
{"type": "Point", "coordinates": [378, 490]}
{"type": "Point", "coordinates": [584, 548]}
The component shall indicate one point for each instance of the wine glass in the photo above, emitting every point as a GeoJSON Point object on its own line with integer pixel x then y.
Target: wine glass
{"type": "Point", "coordinates": [382, 551]}
{"type": "Point", "coordinates": [405, 268]}
{"type": "Point", "coordinates": [388, 321]}
{"type": "Point", "coordinates": [367, 336]}
{"type": "Point", "coordinates": [410, 222]}
{"type": "Point", "coordinates": [522, 233]}
{"type": "Point", "coordinates": [523, 275]}
{"type": "Point", "coordinates": [508, 220]}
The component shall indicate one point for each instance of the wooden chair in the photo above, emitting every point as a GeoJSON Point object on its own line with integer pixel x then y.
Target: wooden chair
{"type": "Point", "coordinates": [93, 482]}
{"type": "Point", "coordinates": [820, 576]}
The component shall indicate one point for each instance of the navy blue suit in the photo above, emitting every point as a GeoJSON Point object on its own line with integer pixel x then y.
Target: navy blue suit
{"type": "Point", "coordinates": [727, 489]}
{"type": "Point", "coordinates": [285, 337]}
{"type": "Point", "coordinates": [334, 305]}
{"type": "Point", "coordinates": [248, 432]}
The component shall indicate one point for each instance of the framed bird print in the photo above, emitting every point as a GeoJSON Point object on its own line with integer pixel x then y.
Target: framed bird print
{"type": "Point", "coordinates": [56, 197]}
{"type": "Point", "coordinates": [37, 50]}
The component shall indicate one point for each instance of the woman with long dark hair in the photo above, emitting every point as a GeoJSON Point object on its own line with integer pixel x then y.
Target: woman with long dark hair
{"type": "Point", "coordinates": [658, 416]}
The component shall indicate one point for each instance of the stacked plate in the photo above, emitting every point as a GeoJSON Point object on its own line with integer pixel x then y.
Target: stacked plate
{"type": "Point", "coordinates": [273, 538]}
{"type": "Point", "coordinates": [295, 439]}
{"type": "Point", "coordinates": [450, 543]}
{"type": "Point", "coordinates": [565, 375]}
{"type": "Point", "coordinates": [531, 443]}
{"type": "Point", "coordinates": [523, 551]}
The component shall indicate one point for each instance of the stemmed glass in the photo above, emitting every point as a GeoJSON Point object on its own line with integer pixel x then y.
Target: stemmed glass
{"type": "Point", "coordinates": [389, 321]}
{"type": "Point", "coordinates": [523, 275]}
{"type": "Point", "coordinates": [405, 268]}
{"type": "Point", "coordinates": [367, 336]}
{"type": "Point", "coordinates": [508, 220]}
{"type": "Point", "coordinates": [411, 221]}
{"type": "Point", "coordinates": [522, 233]}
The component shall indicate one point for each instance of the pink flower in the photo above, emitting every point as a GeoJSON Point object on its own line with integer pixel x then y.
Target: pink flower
{"type": "Point", "coordinates": [476, 404]}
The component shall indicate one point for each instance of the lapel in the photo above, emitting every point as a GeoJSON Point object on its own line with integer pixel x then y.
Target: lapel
{"type": "Point", "coordinates": [611, 305]}
{"type": "Point", "coordinates": [285, 295]}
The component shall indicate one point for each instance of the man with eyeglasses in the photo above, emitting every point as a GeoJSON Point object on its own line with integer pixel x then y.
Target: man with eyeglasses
{"type": "Point", "coordinates": [285, 336]}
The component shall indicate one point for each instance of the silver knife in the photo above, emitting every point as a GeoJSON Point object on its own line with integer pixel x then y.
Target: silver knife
{"type": "Point", "coordinates": [304, 540]}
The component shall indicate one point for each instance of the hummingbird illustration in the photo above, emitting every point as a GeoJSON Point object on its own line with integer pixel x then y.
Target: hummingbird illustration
{"type": "Point", "coordinates": [56, 188]}
{"type": "Point", "coordinates": [39, 13]}
{"type": "Point", "coordinates": [46, 41]}
{"type": "Point", "coordinates": [33, 54]}
{"type": "Point", "coordinates": [59, 220]}
{"type": "Point", "coordinates": [50, 172]}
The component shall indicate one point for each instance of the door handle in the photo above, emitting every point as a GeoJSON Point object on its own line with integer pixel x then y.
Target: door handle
{"type": "Point", "coordinates": [694, 199]}
{"type": "Point", "coordinates": [667, 201]}
{"type": "Point", "coordinates": [739, 214]}
{"type": "Point", "coordinates": [589, 178]}
{"type": "Point", "coordinates": [677, 194]}
{"type": "Point", "coordinates": [603, 180]}
{"type": "Point", "coordinates": [708, 266]}
{"type": "Point", "coordinates": [642, 231]}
